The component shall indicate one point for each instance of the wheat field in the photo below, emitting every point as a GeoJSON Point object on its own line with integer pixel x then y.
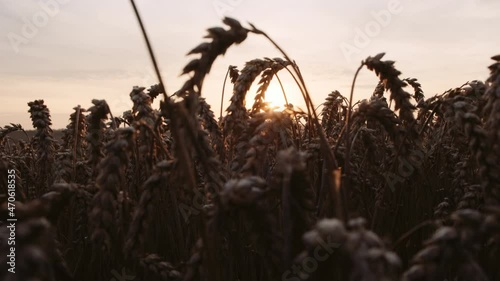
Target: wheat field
{"type": "Point", "coordinates": [400, 186]}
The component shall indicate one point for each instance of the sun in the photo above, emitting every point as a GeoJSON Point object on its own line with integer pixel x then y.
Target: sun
{"type": "Point", "coordinates": [274, 96]}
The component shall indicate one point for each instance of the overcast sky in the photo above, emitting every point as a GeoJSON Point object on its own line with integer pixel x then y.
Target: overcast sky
{"type": "Point", "coordinates": [70, 51]}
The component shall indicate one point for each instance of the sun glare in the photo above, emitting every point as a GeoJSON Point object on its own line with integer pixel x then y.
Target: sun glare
{"type": "Point", "coordinates": [274, 95]}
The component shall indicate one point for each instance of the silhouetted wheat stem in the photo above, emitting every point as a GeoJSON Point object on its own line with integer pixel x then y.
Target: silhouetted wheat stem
{"type": "Point", "coordinates": [211, 125]}
{"type": "Point", "coordinates": [75, 133]}
{"type": "Point", "coordinates": [492, 112]}
{"type": "Point", "coordinates": [337, 195]}
{"type": "Point", "coordinates": [143, 212]}
{"type": "Point", "coordinates": [144, 120]}
{"type": "Point", "coordinates": [265, 81]}
{"type": "Point", "coordinates": [255, 144]}
{"type": "Point", "coordinates": [235, 120]}
{"type": "Point", "coordinates": [222, 39]}
{"type": "Point", "coordinates": [417, 87]}
{"type": "Point", "coordinates": [43, 144]}
{"type": "Point", "coordinates": [389, 76]}
{"type": "Point", "coordinates": [96, 126]}
{"type": "Point", "coordinates": [332, 114]}
{"type": "Point", "coordinates": [109, 182]}
{"type": "Point", "coordinates": [297, 200]}
{"type": "Point", "coordinates": [464, 114]}
{"type": "Point", "coordinates": [378, 110]}
{"type": "Point", "coordinates": [451, 252]}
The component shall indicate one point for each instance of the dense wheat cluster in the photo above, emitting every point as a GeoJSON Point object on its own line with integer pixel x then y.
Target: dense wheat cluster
{"type": "Point", "coordinates": [399, 186]}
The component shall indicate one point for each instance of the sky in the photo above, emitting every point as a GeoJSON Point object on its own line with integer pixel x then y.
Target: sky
{"type": "Point", "coordinates": [68, 52]}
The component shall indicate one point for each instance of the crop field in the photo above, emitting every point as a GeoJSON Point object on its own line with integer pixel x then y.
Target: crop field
{"type": "Point", "coordinates": [402, 185]}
